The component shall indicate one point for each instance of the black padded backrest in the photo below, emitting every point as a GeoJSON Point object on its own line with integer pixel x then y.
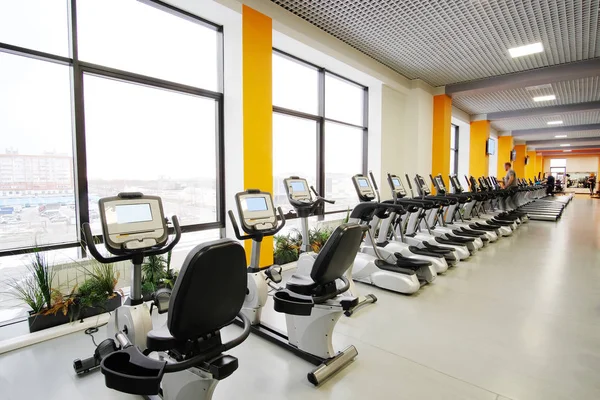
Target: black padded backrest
{"type": "Point", "coordinates": [337, 255]}
{"type": "Point", "coordinates": [209, 291]}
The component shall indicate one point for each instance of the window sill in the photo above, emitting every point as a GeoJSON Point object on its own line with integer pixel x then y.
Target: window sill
{"type": "Point", "coordinates": [51, 333]}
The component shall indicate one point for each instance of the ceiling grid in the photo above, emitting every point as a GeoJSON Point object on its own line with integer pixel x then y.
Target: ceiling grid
{"type": "Point", "coordinates": [448, 42]}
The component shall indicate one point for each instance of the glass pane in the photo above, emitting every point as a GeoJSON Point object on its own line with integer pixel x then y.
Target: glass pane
{"type": "Point", "coordinates": [343, 160]}
{"type": "Point", "coordinates": [452, 162]}
{"type": "Point", "coordinates": [136, 37]}
{"type": "Point", "coordinates": [155, 142]}
{"type": "Point", "coordinates": [37, 202]}
{"type": "Point", "coordinates": [294, 154]}
{"type": "Point", "coordinates": [41, 25]}
{"type": "Point", "coordinates": [295, 85]}
{"type": "Point", "coordinates": [453, 137]}
{"type": "Point", "coordinates": [344, 101]}
{"type": "Point", "coordinates": [558, 162]}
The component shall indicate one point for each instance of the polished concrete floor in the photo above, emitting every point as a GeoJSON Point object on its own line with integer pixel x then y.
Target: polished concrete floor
{"type": "Point", "coordinates": [520, 320]}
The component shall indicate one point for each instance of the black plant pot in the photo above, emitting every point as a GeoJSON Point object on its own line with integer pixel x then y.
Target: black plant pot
{"type": "Point", "coordinates": [108, 306]}
{"type": "Point", "coordinates": [39, 322]}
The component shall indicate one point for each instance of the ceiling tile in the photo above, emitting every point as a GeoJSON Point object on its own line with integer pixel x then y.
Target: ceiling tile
{"type": "Point", "coordinates": [444, 42]}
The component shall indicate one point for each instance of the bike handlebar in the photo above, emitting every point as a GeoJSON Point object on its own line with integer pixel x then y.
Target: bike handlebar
{"type": "Point", "coordinates": [91, 246]}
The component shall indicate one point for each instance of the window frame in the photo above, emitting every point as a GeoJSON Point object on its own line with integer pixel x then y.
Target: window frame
{"type": "Point", "coordinates": [455, 129]}
{"type": "Point", "coordinates": [78, 69]}
{"type": "Point", "coordinates": [320, 119]}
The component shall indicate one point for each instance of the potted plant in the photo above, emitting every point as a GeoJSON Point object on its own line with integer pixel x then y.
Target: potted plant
{"type": "Point", "coordinates": [157, 274]}
{"type": "Point", "coordinates": [286, 248]}
{"type": "Point", "coordinates": [35, 290]}
{"type": "Point", "coordinates": [98, 293]}
{"type": "Point", "coordinates": [50, 307]}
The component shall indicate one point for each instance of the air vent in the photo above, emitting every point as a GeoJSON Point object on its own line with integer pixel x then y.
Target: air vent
{"type": "Point", "coordinates": [547, 86]}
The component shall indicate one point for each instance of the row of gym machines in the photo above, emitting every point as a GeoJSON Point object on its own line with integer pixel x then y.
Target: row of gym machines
{"type": "Point", "coordinates": [530, 197]}
{"type": "Point", "coordinates": [398, 244]}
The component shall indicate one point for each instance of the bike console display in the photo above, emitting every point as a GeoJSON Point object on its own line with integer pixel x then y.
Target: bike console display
{"type": "Point", "coordinates": [256, 211]}
{"type": "Point", "coordinates": [132, 221]}
{"type": "Point", "coordinates": [298, 191]}
{"type": "Point", "coordinates": [363, 188]}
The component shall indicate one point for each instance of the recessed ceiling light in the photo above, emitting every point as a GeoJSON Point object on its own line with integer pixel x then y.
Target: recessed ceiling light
{"type": "Point", "coordinates": [565, 145]}
{"type": "Point", "coordinates": [526, 50]}
{"type": "Point", "coordinates": [566, 151]}
{"type": "Point", "coordinates": [545, 98]}
{"type": "Point", "coordinates": [560, 136]}
{"type": "Point", "coordinates": [554, 122]}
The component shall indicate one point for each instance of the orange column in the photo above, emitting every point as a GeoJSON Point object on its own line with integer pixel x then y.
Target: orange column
{"type": "Point", "coordinates": [257, 47]}
{"type": "Point", "coordinates": [519, 163]}
{"type": "Point", "coordinates": [478, 158]}
{"type": "Point", "coordinates": [440, 148]}
{"type": "Point", "coordinates": [531, 166]}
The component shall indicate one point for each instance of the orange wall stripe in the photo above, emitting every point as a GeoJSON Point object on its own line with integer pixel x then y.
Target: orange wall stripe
{"type": "Point", "coordinates": [440, 148]}
{"type": "Point", "coordinates": [478, 159]}
{"type": "Point", "coordinates": [257, 45]}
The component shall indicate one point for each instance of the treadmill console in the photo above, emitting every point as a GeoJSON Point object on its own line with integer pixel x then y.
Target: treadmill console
{"type": "Point", "coordinates": [256, 211]}
{"type": "Point", "coordinates": [397, 187]}
{"type": "Point", "coordinates": [440, 186]}
{"type": "Point", "coordinates": [422, 186]}
{"type": "Point", "coordinates": [132, 221]}
{"type": "Point", "coordinates": [456, 184]}
{"type": "Point", "coordinates": [363, 188]}
{"type": "Point", "coordinates": [298, 191]}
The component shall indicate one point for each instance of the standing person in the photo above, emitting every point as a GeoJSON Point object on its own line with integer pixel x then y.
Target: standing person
{"type": "Point", "coordinates": [550, 181]}
{"type": "Point", "coordinates": [592, 182]}
{"type": "Point", "coordinates": [510, 180]}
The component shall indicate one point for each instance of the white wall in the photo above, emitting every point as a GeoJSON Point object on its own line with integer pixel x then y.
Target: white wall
{"type": "Point", "coordinates": [575, 164]}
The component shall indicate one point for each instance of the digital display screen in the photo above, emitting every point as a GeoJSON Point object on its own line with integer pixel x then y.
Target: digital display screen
{"type": "Point", "coordinates": [298, 186]}
{"type": "Point", "coordinates": [491, 147]}
{"type": "Point", "coordinates": [396, 183]}
{"type": "Point", "coordinates": [363, 182]}
{"type": "Point", "coordinates": [256, 204]}
{"type": "Point", "coordinates": [131, 213]}
{"type": "Point", "coordinates": [439, 182]}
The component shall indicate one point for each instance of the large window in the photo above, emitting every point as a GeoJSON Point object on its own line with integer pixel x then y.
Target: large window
{"type": "Point", "coordinates": [99, 97]}
{"type": "Point", "coordinates": [453, 149]}
{"type": "Point", "coordinates": [319, 130]}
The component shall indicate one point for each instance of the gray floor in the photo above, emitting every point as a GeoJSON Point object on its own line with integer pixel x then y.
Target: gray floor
{"type": "Point", "coordinates": [519, 320]}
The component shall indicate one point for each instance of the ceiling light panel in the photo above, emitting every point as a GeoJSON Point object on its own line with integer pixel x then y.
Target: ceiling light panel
{"type": "Point", "coordinates": [549, 97]}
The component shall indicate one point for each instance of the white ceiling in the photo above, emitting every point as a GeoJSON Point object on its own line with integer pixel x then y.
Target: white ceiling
{"type": "Point", "coordinates": [551, 136]}
{"type": "Point", "coordinates": [569, 119]}
{"type": "Point", "coordinates": [450, 41]}
{"type": "Point", "coordinates": [567, 92]}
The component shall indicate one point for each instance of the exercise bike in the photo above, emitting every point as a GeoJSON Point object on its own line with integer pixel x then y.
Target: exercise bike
{"type": "Point", "coordinates": [189, 359]}
{"type": "Point", "coordinates": [312, 300]}
{"type": "Point", "coordinates": [301, 199]}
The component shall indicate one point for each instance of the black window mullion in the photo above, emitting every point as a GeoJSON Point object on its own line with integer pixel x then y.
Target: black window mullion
{"type": "Point", "coordinates": [80, 167]}
{"type": "Point", "coordinates": [321, 138]}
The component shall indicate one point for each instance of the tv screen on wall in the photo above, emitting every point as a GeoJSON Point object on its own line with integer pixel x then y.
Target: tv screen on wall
{"type": "Point", "coordinates": [513, 155]}
{"type": "Point", "coordinates": [490, 147]}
